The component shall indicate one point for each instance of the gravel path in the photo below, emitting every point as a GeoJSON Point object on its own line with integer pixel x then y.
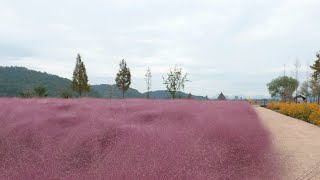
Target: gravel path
{"type": "Point", "coordinates": [297, 144]}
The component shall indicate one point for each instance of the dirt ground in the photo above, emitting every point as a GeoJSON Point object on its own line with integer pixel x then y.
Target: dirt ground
{"type": "Point", "coordinates": [296, 142]}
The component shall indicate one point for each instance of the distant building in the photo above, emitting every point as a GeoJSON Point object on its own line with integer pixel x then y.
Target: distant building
{"type": "Point", "coordinates": [299, 98]}
{"type": "Point", "coordinates": [221, 97]}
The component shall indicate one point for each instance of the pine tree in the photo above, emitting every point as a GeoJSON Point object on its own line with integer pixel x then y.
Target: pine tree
{"type": "Point", "coordinates": [316, 68]}
{"type": "Point", "coordinates": [123, 79]}
{"type": "Point", "coordinates": [80, 79]}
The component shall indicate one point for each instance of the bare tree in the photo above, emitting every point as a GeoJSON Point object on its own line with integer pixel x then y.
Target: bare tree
{"type": "Point", "coordinates": [297, 66]}
{"type": "Point", "coordinates": [307, 85]}
{"type": "Point", "coordinates": [147, 78]}
{"type": "Point", "coordinates": [175, 80]}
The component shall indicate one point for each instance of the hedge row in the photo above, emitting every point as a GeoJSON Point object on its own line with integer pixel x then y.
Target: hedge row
{"type": "Point", "coordinates": [304, 111]}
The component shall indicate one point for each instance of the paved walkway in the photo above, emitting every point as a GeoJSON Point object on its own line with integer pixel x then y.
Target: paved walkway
{"type": "Point", "coordinates": [297, 144]}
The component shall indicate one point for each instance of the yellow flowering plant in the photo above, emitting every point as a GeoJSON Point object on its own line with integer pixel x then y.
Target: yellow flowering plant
{"type": "Point", "coordinates": [304, 111]}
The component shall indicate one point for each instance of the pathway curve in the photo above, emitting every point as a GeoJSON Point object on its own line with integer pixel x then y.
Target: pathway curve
{"type": "Point", "coordinates": [297, 144]}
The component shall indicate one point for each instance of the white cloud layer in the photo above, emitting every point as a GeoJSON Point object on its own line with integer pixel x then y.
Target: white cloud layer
{"type": "Point", "coordinates": [230, 46]}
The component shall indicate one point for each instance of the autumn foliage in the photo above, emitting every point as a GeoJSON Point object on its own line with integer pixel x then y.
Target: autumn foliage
{"type": "Point", "coordinates": [304, 111]}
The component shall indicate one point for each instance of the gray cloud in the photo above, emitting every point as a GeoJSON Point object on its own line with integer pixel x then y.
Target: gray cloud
{"type": "Point", "coordinates": [230, 46]}
{"type": "Point", "coordinates": [12, 51]}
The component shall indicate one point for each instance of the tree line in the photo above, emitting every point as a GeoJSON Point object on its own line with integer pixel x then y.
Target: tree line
{"type": "Point", "coordinates": [174, 80]}
{"type": "Point", "coordinates": [285, 86]}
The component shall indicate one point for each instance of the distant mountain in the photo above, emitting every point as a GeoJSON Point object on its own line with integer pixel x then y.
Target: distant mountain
{"type": "Point", "coordinates": [14, 80]}
{"type": "Point", "coordinates": [107, 91]}
{"type": "Point", "coordinates": [19, 79]}
{"type": "Point", "coordinates": [161, 94]}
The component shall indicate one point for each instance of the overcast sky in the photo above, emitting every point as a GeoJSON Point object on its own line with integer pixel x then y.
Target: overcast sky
{"type": "Point", "coordinates": [231, 46]}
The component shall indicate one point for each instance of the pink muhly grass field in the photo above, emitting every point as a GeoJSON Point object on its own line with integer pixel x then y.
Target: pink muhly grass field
{"type": "Point", "coordinates": [132, 139]}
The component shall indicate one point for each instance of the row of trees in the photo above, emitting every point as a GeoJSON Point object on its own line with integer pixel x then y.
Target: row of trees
{"type": "Point", "coordinates": [174, 80]}
{"type": "Point", "coordinates": [285, 86]}
{"type": "Point", "coordinates": [80, 81]}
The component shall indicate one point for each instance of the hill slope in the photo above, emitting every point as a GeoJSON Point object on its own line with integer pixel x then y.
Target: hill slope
{"type": "Point", "coordinates": [161, 94]}
{"type": "Point", "coordinates": [19, 79]}
{"type": "Point", "coordinates": [107, 91]}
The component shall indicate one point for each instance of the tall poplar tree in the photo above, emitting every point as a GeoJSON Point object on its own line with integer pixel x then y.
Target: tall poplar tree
{"type": "Point", "coordinates": [123, 79]}
{"type": "Point", "coordinates": [80, 80]}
